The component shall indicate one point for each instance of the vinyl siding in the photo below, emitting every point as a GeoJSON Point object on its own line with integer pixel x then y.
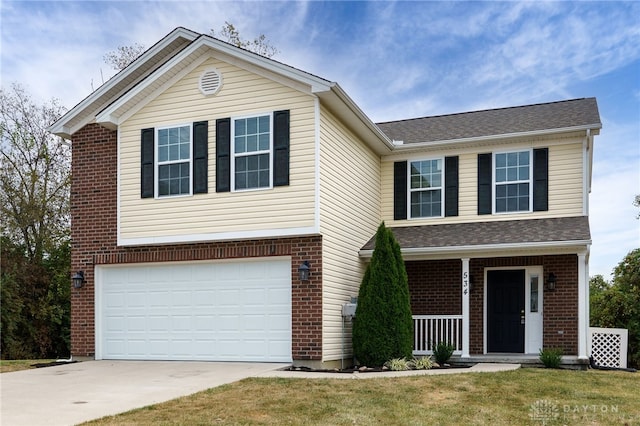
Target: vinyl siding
{"type": "Point", "coordinates": [243, 93]}
{"type": "Point", "coordinates": [565, 183]}
{"type": "Point", "coordinates": [349, 216]}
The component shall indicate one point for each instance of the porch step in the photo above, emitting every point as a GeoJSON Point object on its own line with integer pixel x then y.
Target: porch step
{"type": "Point", "coordinates": [571, 362]}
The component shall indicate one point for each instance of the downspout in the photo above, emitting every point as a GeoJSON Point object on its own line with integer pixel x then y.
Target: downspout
{"type": "Point", "coordinates": [587, 158]}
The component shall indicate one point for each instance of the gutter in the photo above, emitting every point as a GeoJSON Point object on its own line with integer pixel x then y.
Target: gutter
{"type": "Point", "coordinates": [483, 248]}
{"type": "Point", "coordinates": [453, 142]}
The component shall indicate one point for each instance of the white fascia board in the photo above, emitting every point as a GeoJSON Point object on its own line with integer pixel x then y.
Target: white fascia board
{"type": "Point", "coordinates": [453, 142]}
{"type": "Point", "coordinates": [573, 246]}
{"type": "Point", "coordinates": [219, 236]}
{"type": "Point", "coordinates": [61, 128]}
{"type": "Point", "coordinates": [110, 115]}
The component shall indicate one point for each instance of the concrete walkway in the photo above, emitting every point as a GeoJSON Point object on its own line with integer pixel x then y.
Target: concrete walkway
{"type": "Point", "coordinates": [78, 392]}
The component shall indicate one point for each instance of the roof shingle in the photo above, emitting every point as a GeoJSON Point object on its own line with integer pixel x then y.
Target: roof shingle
{"type": "Point", "coordinates": [491, 233]}
{"type": "Point", "coordinates": [493, 122]}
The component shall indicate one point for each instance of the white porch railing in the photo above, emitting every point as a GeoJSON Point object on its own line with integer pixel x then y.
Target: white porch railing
{"type": "Point", "coordinates": [429, 330]}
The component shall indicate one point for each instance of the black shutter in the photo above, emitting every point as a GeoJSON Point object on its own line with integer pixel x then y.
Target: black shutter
{"type": "Point", "coordinates": [400, 190]}
{"type": "Point", "coordinates": [451, 186]}
{"type": "Point", "coordinates": [281, 148]}
{"type": "Point", "coordinates": [541, 179]}
{"type": "Point", "coordinates": [484, 183]}
{"type": "Point", "coordinates": [146, 163]}
{"type": "Point", "coordinates": [200, 157]}
{"type": "Point", "coordinates": [223, 155]}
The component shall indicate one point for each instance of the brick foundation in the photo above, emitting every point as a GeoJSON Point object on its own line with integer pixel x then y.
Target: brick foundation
{"type": "Point", "coordinates": [94, 242]}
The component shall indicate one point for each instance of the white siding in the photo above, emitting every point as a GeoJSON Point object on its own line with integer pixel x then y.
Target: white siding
{"type": "Point", "coordinates": [349, 216]}
{"type": "Point", "coordinates": [242, 93]}
{"type": "Point", "coordinates": [565, 183]}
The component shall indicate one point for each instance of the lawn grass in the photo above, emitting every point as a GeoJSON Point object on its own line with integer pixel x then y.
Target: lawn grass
{"type": "Point", "coordinates": [7, 366]}
{"type": "Point", "coordinates": [525, 396]}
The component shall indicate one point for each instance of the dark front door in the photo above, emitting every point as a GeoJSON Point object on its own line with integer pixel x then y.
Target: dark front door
{"type": "Point", "coordinates": [505, 311]}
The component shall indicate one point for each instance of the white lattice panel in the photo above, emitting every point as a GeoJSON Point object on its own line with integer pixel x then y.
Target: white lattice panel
{"type": "Point", "coordinates": [608, 346]}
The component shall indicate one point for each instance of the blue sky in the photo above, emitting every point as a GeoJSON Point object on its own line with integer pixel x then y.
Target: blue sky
{"type": "Point", "coordinates": [395, 59]}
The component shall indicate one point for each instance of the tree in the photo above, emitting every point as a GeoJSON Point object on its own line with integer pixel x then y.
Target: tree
{"type": "Point", "coordinates": [259, 45]}
{"type": "Point", "coordinates": [121, 57]}
{"type": "Point", "coordinates": [618, 305]}
{"type": "Point", "coordinates": [36, 177]}
{"type": "Point", "coordinates": [636, 202]}
{"type": "Point", "coordinates": [383, 326]}
{"type": "Point", "coordinates": [34, 211]}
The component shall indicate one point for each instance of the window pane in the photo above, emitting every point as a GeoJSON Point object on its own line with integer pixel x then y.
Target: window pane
{"type": "Point", "coordinates": [501, 175]}
{"type": "Point", "coordinates": [523, 173]}
{"type": "Point", "coordinates": [264, 124]}
{"type": "Point", "coordinates": [501, 160]}
{"type": "Point", "coordinates": [252, 143]}
{"type": "Point", "coordinates": [512, 159]}
{"type": "Point", "coordinates": [240, 128]}
{"type": "Point", "coordinates": [523, 158]}
{"type": "Point", "coordinates": [240, 144]}
{"type": "Point", "coordinates": [264, 142]}
{"type": "Point", "coordinates": [173, 152]}
{"type": "Point", "coordinates": [252, 126]}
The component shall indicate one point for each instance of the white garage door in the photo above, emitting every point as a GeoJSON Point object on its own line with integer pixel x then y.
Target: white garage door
{"type": "Point", "coordinates": [230, 311]}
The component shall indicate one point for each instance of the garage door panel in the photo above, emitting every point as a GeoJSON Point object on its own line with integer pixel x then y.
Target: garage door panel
{"type": "Point", "coordinates": [236, 311]}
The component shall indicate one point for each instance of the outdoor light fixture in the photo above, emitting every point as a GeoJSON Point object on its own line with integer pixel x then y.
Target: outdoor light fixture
{"type": "Point", "coordinates": [304, 270]}
{"type": "Point", "coordinates": [551, 281]}
{"type": "Point", "coordinates": [78, 279]}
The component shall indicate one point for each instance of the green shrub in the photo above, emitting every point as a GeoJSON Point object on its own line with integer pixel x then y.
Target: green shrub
{"type": "Point", "coordinates": [399, 364]}
{"type": "Point", "coordinates": [551, 357]}
{"type": "Point", "coordinates": [442, 352]}
{"type": "Point", "coordinates": [383, 327]}
{"type": "Point", "coordinates": [617, 304]}
{"type": "Point", "coordinates": [423, 363]}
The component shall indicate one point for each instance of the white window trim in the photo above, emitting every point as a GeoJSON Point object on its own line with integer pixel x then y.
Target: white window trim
{"type": "Point", "coordinates": [234, 155]}
{"type": "Point", "coordinates": [157, 164]}
{"type": "Point", "coordinates": [494, 183]}
{"type": "Point", "coordinates": [410, 190]}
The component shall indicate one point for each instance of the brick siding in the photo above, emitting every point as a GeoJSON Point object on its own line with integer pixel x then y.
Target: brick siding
{"type": "Point", "coordinates": [94, 242]}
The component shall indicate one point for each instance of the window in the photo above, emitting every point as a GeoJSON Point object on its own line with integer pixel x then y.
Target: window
{"type": "Point", "coordinates": [512, 177]}
{"type": "Point", "coordinates": [174, 160]}
{"type": "Point", "coordinates": [251, 152]}
{"type": "Point", "coordinates": [425, 188]}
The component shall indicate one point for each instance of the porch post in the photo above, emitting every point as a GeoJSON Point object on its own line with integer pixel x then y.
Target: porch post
{"type": "Point", "coordinates": [583, 307]}
{"type": "Point", "coordinates": [465, 308]}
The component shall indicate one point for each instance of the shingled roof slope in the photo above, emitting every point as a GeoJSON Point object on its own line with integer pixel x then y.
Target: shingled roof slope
{"type": "Point", "coordinates": [491, 233]}
{"type": "Point", "coordinates": [520, 119]}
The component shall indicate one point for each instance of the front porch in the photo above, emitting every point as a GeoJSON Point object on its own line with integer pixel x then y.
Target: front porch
{"type": "Point", "coordinates": [459, 301]}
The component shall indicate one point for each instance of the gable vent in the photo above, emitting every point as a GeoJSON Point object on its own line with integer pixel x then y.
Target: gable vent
{"type": "Point", "coordinates": [210, 82]}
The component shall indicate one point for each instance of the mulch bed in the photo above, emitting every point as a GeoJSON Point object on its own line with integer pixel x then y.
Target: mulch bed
{"type": "Point", "coordinates": [357, 369]}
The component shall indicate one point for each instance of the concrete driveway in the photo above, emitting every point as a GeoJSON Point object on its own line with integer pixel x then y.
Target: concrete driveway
{"type": "Point", "coordinates": [74, 393]}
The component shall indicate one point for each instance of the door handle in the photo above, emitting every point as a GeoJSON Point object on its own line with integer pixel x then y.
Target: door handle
{"type": "Point", "coordinates": [522, 317]}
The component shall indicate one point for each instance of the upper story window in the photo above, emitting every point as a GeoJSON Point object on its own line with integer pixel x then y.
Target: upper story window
{"type": "Point", "coordinates": [425, 188]}
{"type": "Point", "coordinates": [174, 160]}
{"type": "Point", "coordinates": [252, 142]}
{"type": "Point", "coordinates": [512, 177]}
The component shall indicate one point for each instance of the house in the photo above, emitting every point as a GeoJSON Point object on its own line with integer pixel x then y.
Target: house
{"type": "Point", "coordinates": [206, 178]}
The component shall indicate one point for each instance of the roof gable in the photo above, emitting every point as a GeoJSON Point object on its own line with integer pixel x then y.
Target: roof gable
{"type": "Point", "coordinates": [153, 58]}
